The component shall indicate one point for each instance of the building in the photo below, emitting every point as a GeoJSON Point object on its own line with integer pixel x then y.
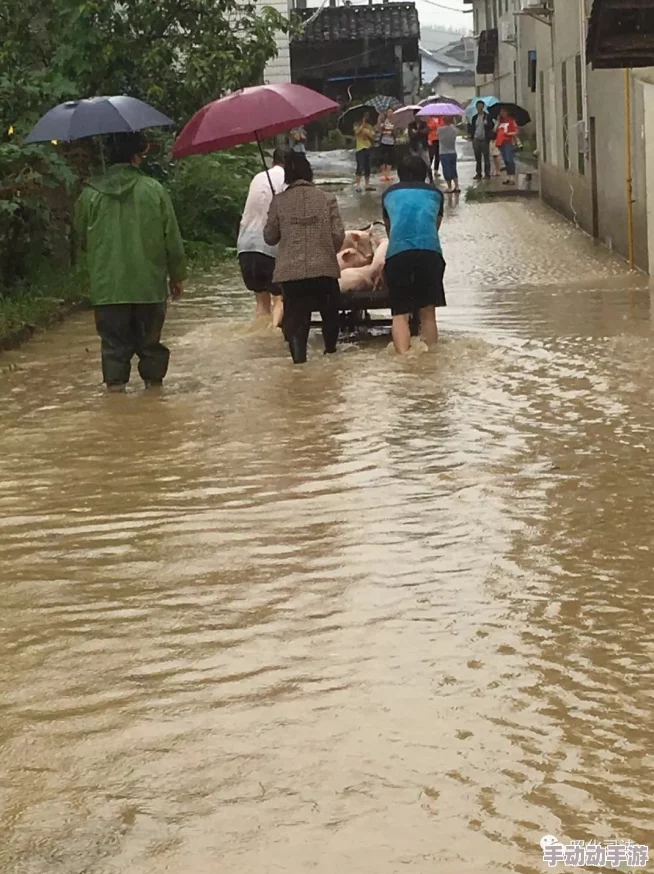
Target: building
{"type": "Point", "coordinates": [596, 122]}
{"type": "Point", "coordinates": [594, 115]}
{"type": "Point", "coordinates": [353, 51]}
{"type": "Point", "coordinates": [278, 70]}
{"type": "Point", "coordinates": [442, 74]}
{"type": "Point", "coordinates": [507, 61]}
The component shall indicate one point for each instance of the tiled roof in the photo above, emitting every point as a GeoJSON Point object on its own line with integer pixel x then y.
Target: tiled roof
{"type": "Point", "coordinates": [338, 23]}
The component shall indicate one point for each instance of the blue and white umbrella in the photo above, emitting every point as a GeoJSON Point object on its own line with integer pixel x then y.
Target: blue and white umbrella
{"type": "Point", "coordinates": [382, 103]}
{"type": "Point", "coordinates": [471, 111]}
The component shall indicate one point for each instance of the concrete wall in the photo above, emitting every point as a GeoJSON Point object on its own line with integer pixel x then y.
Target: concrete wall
{"type": "Point", "coordinates": [606, 101]}
{"type": "Point", "coordinates": [565, 177]}
{"type": "Point", "coordinates": [510, 81]}
{"type": "Point", "coordinates": [278, 69]}
{"type": "Point", "coordinates": [591, 96]}
{"type": "Point", "coordinates": [566, 161]}
{"type": "Point", "coordinates": [450, 87]}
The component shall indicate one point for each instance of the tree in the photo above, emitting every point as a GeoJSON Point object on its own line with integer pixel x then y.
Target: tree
{"type": "Point", "coordinates": [175, 54]}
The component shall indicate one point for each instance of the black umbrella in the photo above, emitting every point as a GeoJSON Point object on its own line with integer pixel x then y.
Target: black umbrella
{"type": "Point", "coordinates": [376, 105]}
{"type": "Point", "coordinates": [520, 114]}
{"type": "Point", "coordinates": [353, 116]}
{"type": "Point", "coordinates": [95, 116]}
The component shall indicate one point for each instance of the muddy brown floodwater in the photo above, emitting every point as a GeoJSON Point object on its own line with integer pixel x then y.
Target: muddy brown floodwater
{"type": "Point", "coordinates": [371, 615]}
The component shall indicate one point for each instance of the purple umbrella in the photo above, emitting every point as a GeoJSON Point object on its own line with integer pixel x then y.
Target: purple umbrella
{"type": "Point", "coordinates": [440, 109]}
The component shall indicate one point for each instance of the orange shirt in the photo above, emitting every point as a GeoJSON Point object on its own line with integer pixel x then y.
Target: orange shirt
{"type": "Point", "coordinates": [433, 124]}
{"type": "Point", "coordinates": [507, 131]}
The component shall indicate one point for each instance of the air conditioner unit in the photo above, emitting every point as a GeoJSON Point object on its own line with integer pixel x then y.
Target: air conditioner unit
{"type": "Point", "coordinates": [507, 31]}
{"type": "Point", "coordinates": [532, 4]}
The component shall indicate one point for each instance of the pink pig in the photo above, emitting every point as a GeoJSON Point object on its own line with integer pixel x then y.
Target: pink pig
{"type": "Point", "coordinates": [365, 278]}
{"type": "Point", "coordinates": [348, 258]}
{"type": "Point", "coordinates": [361, 241]}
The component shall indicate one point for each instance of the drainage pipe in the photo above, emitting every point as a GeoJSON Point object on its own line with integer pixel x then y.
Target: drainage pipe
{"type": "Point", "coordinates": [630, 181]}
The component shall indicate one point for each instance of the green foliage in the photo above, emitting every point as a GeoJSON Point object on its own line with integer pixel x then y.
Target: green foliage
{"type": "Point", "coordinates": [336, 140]}
{"type": "Point", "coordinates": [34, 179]}
{"type": "Point", "coordinates": [38, 304]}
{"type": "Point", "coordinates": [209, 193]}
{"type": "Point", "coordinates": [175, 54]}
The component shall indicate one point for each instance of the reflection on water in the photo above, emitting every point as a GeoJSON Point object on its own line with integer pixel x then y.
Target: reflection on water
{"type": "Point", "coordinates": [373, 614]}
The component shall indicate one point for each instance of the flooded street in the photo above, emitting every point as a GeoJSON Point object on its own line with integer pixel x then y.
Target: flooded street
{"type": "Point", "coordinates": [371, 615]}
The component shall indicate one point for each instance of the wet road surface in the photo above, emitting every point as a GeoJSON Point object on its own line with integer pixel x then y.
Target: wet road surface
{"type": "Point", "coordinates": [376, 615]}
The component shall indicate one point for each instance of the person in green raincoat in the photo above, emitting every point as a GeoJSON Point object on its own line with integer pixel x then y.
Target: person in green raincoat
{"type": "Point", "coordinates": [126, 224]}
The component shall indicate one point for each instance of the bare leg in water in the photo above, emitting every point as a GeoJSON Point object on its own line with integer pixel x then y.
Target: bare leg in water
{"type": "Point", "coordinates": [263, 304]}
{"type": "Point", "coordinates": [401, 334]}
{"type": "Point", "coordinates": [428, 326]}
{"type": "Point", "coordinates": [402, 331]}
{"type": "Point", "coordinates": [277, 310]}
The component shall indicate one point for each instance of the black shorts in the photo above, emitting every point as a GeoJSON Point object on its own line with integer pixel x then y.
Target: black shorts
{"type": "Point", "coordinates": [386, 155]}
{"type": "Point", "coordinates": [257, 270]}
{"type": "Point", "coordinates": [415, 280]}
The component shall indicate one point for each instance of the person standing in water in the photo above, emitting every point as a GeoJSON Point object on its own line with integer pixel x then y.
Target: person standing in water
{"type": "Point", "coordinates": [297, 140]}
{"type": "Point", "coordinates": [387, 140]}
{"type": "Point", "coordinates": [418, 141]}
{"type": "Point", "coordinates": [433, 125]}
{"type": "Point", "coordinates": [306, 225]}
{"type": "Point", "coordinates": [481, 132]}
{"type": "Point", "coordinates": [256, 258]}
{"type": "Point", "coordinates": [447, 135]}
{"type": "Point", "coordinates": [413, 212]}
{"type": "Point", "coordinates": [365, 137]}
{"type": "Point", "coordinates": [506, 138]}
{"type": "Point", "coordinates": [126, 223]}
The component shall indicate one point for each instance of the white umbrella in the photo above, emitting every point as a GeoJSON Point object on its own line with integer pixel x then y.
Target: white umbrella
{"type": "Point", "coordinates": [404, 116]}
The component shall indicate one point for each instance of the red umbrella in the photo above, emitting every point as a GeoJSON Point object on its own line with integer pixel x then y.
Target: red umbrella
{"type": "Point", "coordinates": [249, 115]}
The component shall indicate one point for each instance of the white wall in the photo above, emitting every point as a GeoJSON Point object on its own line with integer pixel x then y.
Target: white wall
{"type": "Point", "coordinates": [279, 69]}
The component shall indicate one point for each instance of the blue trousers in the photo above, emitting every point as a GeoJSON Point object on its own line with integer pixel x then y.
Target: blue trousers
{"type": "Point", "coordinates": [508, 156]}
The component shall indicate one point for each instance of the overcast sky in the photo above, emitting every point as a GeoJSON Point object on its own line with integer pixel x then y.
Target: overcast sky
{"type": "Point", "coordinates": [430, 14]}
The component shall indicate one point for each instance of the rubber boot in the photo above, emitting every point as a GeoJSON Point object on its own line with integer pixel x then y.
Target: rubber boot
{"type": "Point", "coordinates": [298, 351]}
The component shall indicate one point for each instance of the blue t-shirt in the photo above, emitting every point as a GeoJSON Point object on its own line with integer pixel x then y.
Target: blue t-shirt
{"type": "Point", "coordinates": [412, 209]}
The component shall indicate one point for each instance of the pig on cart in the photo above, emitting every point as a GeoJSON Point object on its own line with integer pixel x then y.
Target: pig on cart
{"type": "Point", "coordinates": [362, 258]}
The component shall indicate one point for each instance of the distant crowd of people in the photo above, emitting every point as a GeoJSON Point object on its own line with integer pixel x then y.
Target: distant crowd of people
{"type": "Point", "coordinates": [434, 140]}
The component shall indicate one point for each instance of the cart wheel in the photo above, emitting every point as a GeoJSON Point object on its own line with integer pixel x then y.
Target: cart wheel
{"type": "Point", "coordinates": [414, 324]}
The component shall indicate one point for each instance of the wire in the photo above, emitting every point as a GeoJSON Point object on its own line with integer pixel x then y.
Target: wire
{"type": "Point", "coordinates": [374, 53]}
{"type": "Point", "coordinates": [442, 6]}
{"type": "Point", "coordinates": [315, 15]}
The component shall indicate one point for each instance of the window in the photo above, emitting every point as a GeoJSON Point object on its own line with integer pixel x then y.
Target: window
{"type": "Point", "coordinates": [532, 71]}
{"type": "Point", "coordinates": [581, 133]}
{"type": "Point", "coordinates": [564, 115]}
{"type": "Point", "coordinates": [543, 118]}
{"type": "Point", "coordinates": [488, 23]}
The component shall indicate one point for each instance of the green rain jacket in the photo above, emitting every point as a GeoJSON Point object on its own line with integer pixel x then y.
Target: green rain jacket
{"type": "Point", "coordinates": [125, 221]}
